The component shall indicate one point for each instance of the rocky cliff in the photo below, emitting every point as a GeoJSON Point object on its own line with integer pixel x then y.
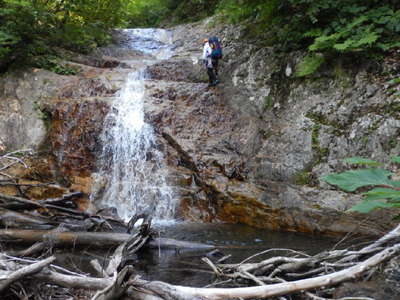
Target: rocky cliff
{"type": "Point", "coordinates": [250, 150]}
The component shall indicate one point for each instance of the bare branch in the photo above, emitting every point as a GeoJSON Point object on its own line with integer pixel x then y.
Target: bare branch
{"type": "Point", "coordinates": [25, 271]}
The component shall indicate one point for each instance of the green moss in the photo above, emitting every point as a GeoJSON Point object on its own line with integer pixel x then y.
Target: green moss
{"type": "Point", "coordinates": [319, 118]}
{"type": "Point", "coordinates": [374, 126]}
{"type": "Point", "coordinates": [320, 153]}
{"type": "Point", "coordinates": [340, 73]}
{"type": "Point", "coordinates": [268, 102]}
{"type": "Point", "coordinates": [392, 109]}
{"type": "Point", "coordinates": [365, 140]}
{"type": "Point", "coordinates": [306, 177]}
{"type": "Point", "coordinates": [303, 178]}
{"type": "Point", "coordinates": [42, 114]}
{"type": "Point", "coordinates": [392, 143]}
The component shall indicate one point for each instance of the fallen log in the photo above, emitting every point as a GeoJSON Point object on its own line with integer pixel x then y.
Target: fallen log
{"type": "Point", "coordinates": [12, 219]}
{"type": "Point", "coordinates": [16, 203]}
{"type": "Point", "coordinates": [61, 201]}
{"type": "Point", "coordinates": [98, 239]}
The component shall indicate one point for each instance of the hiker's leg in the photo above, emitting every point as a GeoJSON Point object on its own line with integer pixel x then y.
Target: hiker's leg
{"type": "Point", "coordinates": [211, 75]}
{"type": "Point", "coordinates": [215, 65]}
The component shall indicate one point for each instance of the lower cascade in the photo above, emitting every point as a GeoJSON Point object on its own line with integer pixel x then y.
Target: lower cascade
{"type": "Point", "coordinates": [131, 164]}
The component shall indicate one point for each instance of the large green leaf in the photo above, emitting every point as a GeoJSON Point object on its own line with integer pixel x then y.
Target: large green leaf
{"type": "Point", "coordinates": [367, 206]}
{"type": "Point", "coordinates": [354, 179]}
{"type": "Point", "coordinates": [396, 159]}
{"type": "Point", "coordinates": [382, 193]}
{"type": "Point", "coordinates": [362, 161]}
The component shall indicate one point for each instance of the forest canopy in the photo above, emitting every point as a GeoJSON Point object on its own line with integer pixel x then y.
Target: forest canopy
{"type": "Point", "coordinates": [31, 28]}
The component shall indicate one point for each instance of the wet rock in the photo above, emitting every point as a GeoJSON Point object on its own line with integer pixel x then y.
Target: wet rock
{"type": "Point", "coordinates": [74, 134]}
{"type": "Point", "coordinates": [179, 70]}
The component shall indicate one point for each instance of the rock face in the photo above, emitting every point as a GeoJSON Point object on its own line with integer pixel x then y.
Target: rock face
{"type": "Point", "coordinates": [250, 150]}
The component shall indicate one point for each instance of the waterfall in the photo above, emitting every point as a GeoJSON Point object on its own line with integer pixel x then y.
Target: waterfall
{"type": "Point", "coordinates": [131, 164]}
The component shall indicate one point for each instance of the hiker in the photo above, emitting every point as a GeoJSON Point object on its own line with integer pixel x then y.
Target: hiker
{"type": "Point", "coordinates": [208, 62]}
{"type": "Point", "coordinates": [216, 53]}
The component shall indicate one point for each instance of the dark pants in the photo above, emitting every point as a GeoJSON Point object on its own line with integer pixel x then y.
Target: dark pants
{"type": "Point", "coordinates": [211, 75]}
{"type": "Point", "coordinates": [215, 66]}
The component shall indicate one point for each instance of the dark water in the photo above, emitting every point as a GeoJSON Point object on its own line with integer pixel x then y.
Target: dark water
{"type": "Point", "coordinates": [240, 241]}
{"type": "Point", "coordinates": [185, 267]}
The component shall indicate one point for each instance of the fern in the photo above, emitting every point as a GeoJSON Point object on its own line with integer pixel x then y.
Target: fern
{"type": "Point", "coordinates": [309, 65]}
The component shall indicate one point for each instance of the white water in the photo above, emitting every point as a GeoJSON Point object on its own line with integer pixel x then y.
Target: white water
{"type": "Point", "coordinates": [132, 167]}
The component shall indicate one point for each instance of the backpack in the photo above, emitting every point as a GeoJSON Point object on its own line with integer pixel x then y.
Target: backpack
{"type": "Point", "coordinates": [216, 46]}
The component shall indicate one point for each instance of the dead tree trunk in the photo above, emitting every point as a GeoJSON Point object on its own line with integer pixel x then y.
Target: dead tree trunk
{"type": "Point", "coordinates": [98, 239]}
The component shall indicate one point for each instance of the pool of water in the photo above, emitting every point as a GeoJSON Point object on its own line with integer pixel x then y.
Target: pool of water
{"type": "Point", "coordinates": [240, 241]}
{"type": "Point", "coordinates": [185, 267]}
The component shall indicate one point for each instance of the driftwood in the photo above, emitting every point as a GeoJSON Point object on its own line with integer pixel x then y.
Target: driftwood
{"type": "Point", "coordinates": [167, 291]}
{"type": "Point", "coordinates": [19, 203]}
{"type": "Point", "coordinates": [98, 239]}
{"type": "Point", "coordinates": [12, 219]}
{"type": "Point", "coordinates": [10, 159]}
{"type": "Point", "coordinates": [14, 160]}
{"type": "Point", "coordinates": [161, 290]}
{"type": "Point", "coordinates": [271, 275]}
{"type": "Point", "coordinates": [10, 277]}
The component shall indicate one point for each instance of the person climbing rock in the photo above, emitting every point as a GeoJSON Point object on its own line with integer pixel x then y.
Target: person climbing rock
{"type": "Point", "coordinates": [216, 53]}
{"type": "Point", "coordinates": [208, 63]}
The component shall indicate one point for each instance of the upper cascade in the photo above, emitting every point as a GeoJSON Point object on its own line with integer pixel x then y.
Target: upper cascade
{"type": "Point", "coordinates": [131, 164]}
{"type": "Point", "coordinates": [149, 41]}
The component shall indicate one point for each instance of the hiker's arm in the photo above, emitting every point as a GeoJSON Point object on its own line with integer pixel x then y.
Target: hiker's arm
{"type": "Point", "coordinates": [204, 52]}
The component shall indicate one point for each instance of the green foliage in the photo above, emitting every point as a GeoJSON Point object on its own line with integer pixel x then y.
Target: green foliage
{"type": "Point", "coordinates": [330, 27]}
{"type": "Point", "coordinates": [362, 161]}
{"type": "Point", "coordinates": [52, 63]}
{"type": "Point", "coordinates": [190, 10]}
{"type": "Point", "coordinates": [371, 29]}
{"type": "Point", "coordinates": [385, 192]}
{"type": "Point", "coordinates": [146, 13]}
{"type": "Point", "coordinates": [396, 159]}
{"type": "Point", "coordinates": [150, 13]}
{"type": "Point", "coordinates": [309, 65]}
{"type": "Point", "coordinates": [354, 179]}
{"type": "Point", "coordinates": [260, 11]}
{"type": "Point", "coordinates": [29, 29]}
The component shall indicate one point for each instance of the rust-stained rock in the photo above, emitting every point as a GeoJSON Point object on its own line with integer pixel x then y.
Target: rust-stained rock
{"type": "Point", "coordinates": [74, 135]}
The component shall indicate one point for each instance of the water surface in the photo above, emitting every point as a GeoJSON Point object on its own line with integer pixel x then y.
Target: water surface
{"type": "Point", "coordinates": [241, 241]}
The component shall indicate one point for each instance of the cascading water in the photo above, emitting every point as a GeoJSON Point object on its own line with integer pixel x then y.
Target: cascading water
{"type": "Point", "coordinates": [131, 163]}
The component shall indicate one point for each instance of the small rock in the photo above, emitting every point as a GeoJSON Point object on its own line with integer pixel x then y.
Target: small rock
{"type": "Point", "coordinates": [288, 71]}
